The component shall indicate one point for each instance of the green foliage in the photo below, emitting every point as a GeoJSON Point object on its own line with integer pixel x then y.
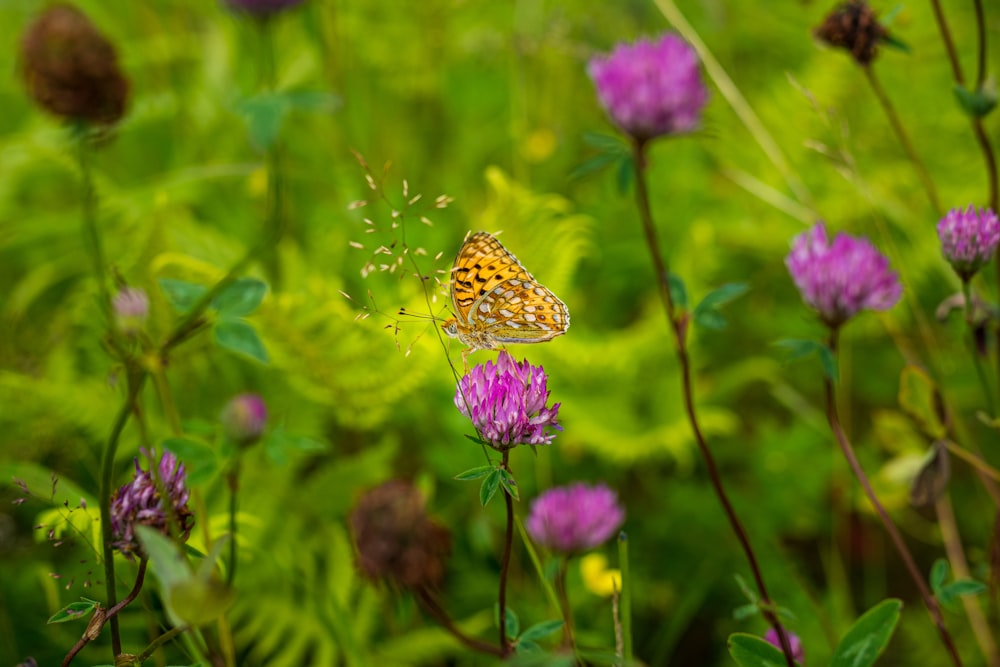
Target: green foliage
{"type": "Point", "coordinates": [868, 637]}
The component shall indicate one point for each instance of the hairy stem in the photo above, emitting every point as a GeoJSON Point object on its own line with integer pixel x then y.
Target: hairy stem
{"type": "Point", "coordinates": [890, 527]}
{"type": "Point", "coordinates": [678, 325]}
{"type": "Point", "coordinates": [904, 140]}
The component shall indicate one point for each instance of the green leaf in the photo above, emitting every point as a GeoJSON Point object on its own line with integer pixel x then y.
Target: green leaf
{"type": "Point", "coordinates": [746, 611]}
{"type": "Point", "coordinates": [239, 337]}
{"type": "Point", "coordinates": [678, 290]}
{"type": "Point", "coordinates": [509, 483]}
{"type": "Point", "coordinates": [894, 42]}
{"type": "Point", "coordinates": [168, 564]}
{"type": "Point", "coordinates": [950, 592]}
{"type": "Point", "coordinates": [749, 593]}
{"type": "Point", "coordinates": [720, 296]}
{"type": "Point", "coordinates": [607, 143]}
{"type": "Point", "coordinates": [264, 115]}
{"type": "Point", "coordinates": [868, 637]}
{"type": "Point", "coordinates": [181, 295]}
{"type": "Point", "coordinates": [626, 172]}
{"type": "Point", "coordinates": [199, 601]}
{"type": "Point", "coordinates": [489, 487]}
{"type": "Point", "coordinates": [939, 572]}
{"type": "Point", "coordinates": [593, 165]}
{"type": "Point", "coordinates": [313, 100]}
{"type": "Point", "coordinates": [750, 651]}
{"type": "Point", "coordinates": [241, 297]}
{"type": "Point", "coordinates": [200, 459]}
{"type": "Point", "coordinates": [474, 473]}
{"type": "Point", "coordinates": [73, 611]}
{"type": "Point", "coordinates": [279, 445]}
{"type": "Point", "coordinates": [710, 319]}
{"type": "Point", "coordinates": [539, 630]}
{"type": "Point", "coordinates": [796, 349]}
{"type": "Point", "coordinates": [511, 622]}
{"type": "Point", "coordinates": [977, 103]}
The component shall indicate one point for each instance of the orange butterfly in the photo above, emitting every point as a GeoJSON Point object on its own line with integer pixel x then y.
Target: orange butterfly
{"type": "Point", "coordinates": [497, 301]}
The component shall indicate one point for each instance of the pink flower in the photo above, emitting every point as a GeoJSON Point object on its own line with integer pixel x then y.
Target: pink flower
{"type": "Point", "coordinates": [651, 88]}
{"type": "Point", "coordinates": [968, 239]}
{"type": "Point", "coordinates": [841, 278]}
{"type": "Point", "coordinates": [574, 518]}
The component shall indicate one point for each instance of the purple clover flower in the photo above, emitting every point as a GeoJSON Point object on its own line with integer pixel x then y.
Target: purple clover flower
{"type": "Point", "coordinates": [244, 418]}
{"type": "Point", "coordinates": [139, 503]}
{"type": "Point", "coordinates": [968, 239]}
{"type": "Point", "coordinates": [574, 518]}
{"type": "Point", "coordinates": [506, 403]}
{"type": "Point", "coordinates": [262, 8]}
{"type": "Point", "coordinates": [651, 88]}
{"type": "Point", "coordinates": [841, 278]}
{"type": "Point", "coordinates": [798, 653]}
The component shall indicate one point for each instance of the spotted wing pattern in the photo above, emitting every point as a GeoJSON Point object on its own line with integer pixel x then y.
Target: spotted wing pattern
{"type": "Point", "coordinates": [497, 301]}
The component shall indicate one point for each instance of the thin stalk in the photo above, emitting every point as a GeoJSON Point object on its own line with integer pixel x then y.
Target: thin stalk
{"type": "Point", "coordinates": [442, 617]}
{"type": "Point", "coordinates": [626, 597]}
{"type": "Point", "coordinates": [537, 563]}
{"type": "Point", "coordinates": [679, 327]}
{"type": "Point", "coordinates": [505, 647]}
{"type": "Point", "coordinates": [158, 642]}
{"type": "Point", "coordinates": [107, 480]}
{"type": "Point", "coordinates": [91, 233]}
{"type": "Point", "coordinates": [890, 527]}
{"type": "Point", "coordinates": [956, 557]}
{"type": "Point", "coordinates": [976, 462]}
{"type": "Point", "coordinates": [233, 479]}
{"type": "Point", "coordinates": [973, 352]}
{"type": "Point", "coordinates": [904, 140]}
{"type": "Point", "coordinates": [567, 611]}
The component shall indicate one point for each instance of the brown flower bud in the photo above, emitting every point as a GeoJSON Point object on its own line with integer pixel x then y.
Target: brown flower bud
{"type": "Point", "coordinates": [854, 27]}
{"type": "Point", "coordinates": [71, 69]}
{"type": "Point", "coordinates": [396, 539]}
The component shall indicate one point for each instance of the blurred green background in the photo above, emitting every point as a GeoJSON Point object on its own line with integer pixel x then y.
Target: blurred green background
{"type": "Point", "coordinates": [488, 103]}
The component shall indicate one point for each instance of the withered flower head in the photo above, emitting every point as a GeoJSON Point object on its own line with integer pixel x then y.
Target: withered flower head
{"type": "Point", "coordinates": [853, 26]}
{"type": "Point", "coordinates": [396, 539]}
{"type": "Point", "coordinates": [71, 69]}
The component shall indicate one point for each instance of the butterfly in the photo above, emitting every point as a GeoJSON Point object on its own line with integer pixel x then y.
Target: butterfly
{"type": "Point", "coordinates": [496, 300]}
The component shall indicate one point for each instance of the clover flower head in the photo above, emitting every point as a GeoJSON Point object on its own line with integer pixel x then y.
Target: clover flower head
{"type": "Point", "coordinates": [574, 518]}
{"type": "Point", "coordinates": [968, 239]}
{"type": "Point", "coordinates": [652, 87]}
{"type": "Point", "coordinates": [71, 69]}
{"type": "Point", "coordinates": [853, 26]}
{"type": "Point", "coordinates": [138, 502]}
{"type": "Point", "coordinates": [244, 418]}
{"type": "Point", "coordinates": [798, 653]}
{"type": "Point", "coordinates": [843, 277]}
{"type": "Point", "coordinates": [506, 403]}
{"type": "Point", "coordinates": [396, 539]}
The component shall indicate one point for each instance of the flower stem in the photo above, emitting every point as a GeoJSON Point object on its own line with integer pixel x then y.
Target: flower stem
{"type": "Point", "coordinates": [678, 325]}
{"type": "Point", "coordinates": [107, 479]}
{"type": "Point", "coordinates": [441, 616]}
{"type": "Point", "coordinates": [158, 642]}
{"type": "Point", "coordinates": [890, 527]}
{"type": "Point", "coordinates": [904, 139]}
{"type": "Point", "coordinates": [626, 597]}
{"type": "Point", "coordinates": [91, 234]}
{"type": "Point", "coordinates": [505, 648]}
{"type": "Point", "coordinates": [567, 611]}
{"type": "Point", "coordinates": [973, 348]}
{"type": "Point", "coordinates": [959, 565]}
{"type": "Point", "coordinates": [233, 479]}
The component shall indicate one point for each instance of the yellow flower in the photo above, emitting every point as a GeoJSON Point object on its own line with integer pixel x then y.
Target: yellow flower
{"type": "Point", "coordinates": [597, 577]}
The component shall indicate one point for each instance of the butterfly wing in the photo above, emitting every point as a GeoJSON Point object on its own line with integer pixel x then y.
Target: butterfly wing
{"type": "Point", "coordinates": [493, 293]}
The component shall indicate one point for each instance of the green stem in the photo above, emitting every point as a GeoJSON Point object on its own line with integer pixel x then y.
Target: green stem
{"type": "Point", "coordinates": [970, 324]}
{"type": "Point", "coordinates": [887, 523]}
{"type": "Point", "coordinates": [567, 611]}
{"type": "Point", "coordinates": [233, 480]}
{"type": "Point", "coordinates": [158, 642]}
{"type": "Point", "coordinates": [678, 325]}
{"type": "Point", "coordinates": [91, 233]}
{"type": "Point", "coordinates": [904, 140]}
{"type": "Point", "coordinates": [107, 480]}
{"type": "Point", "coordinates": [626, 597]}
{"type": "Point", "coordinates": [505, 647]}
